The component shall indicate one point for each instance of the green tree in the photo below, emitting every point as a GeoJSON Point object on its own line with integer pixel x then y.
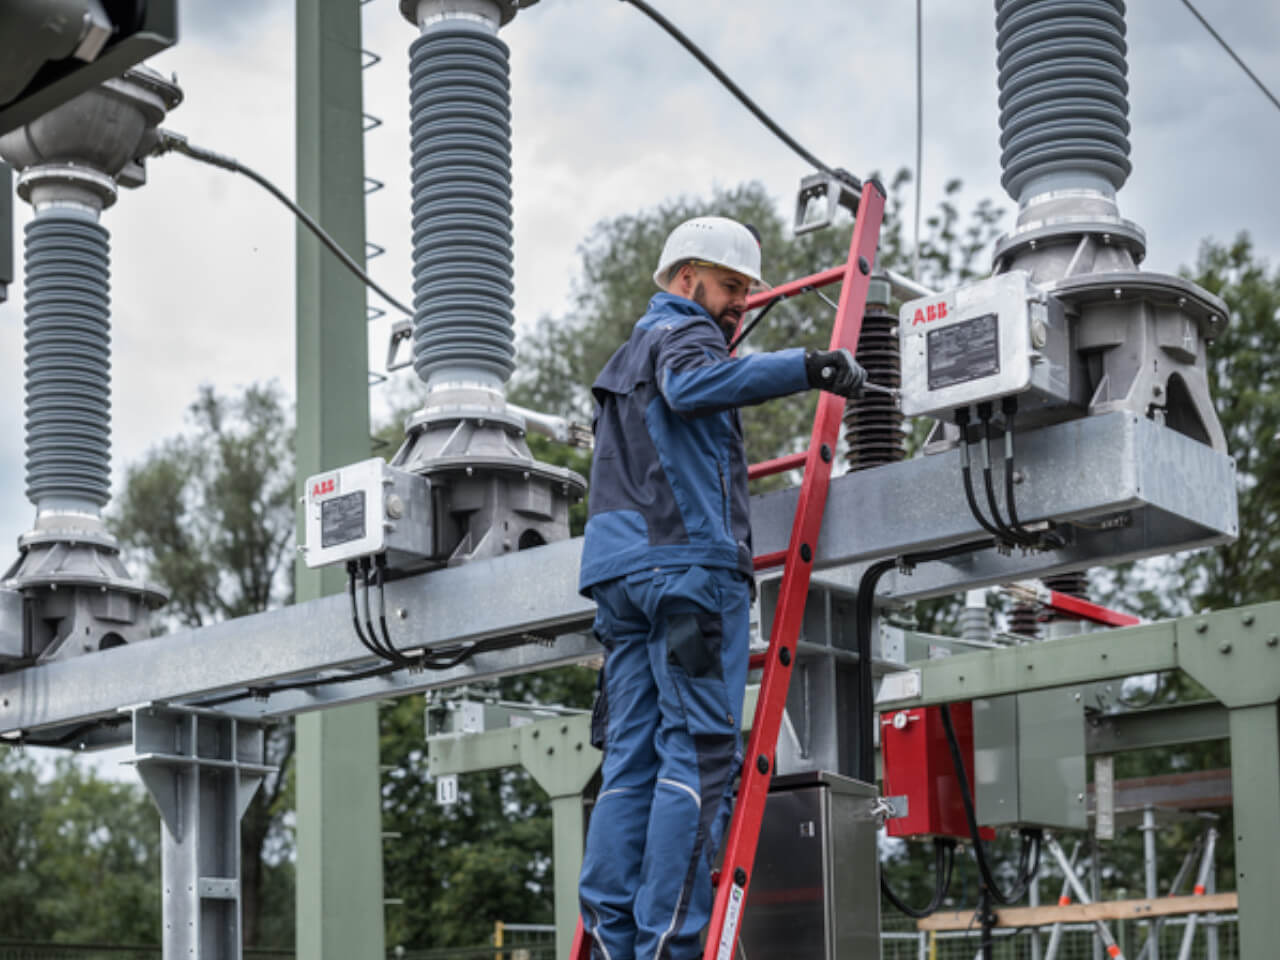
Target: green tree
{"type": "Point", "coordinates": [209, 515]}
{"type": "Point", "coordinates": [1243, 378]}
{"type": "Point", "coordinates": [79, 856]}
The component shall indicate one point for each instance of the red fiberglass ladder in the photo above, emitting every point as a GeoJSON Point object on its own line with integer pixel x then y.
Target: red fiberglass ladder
{"type": "Point", "coordinates": [797, 563]}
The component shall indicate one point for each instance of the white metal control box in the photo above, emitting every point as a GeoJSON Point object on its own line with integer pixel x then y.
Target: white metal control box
{"type": "Point", "coordinates": [365, 509]}
{"type": "Point", "coordinates": [999, 337]}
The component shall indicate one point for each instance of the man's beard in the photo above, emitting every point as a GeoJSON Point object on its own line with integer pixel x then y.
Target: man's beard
{"type": "Point", "coordinates": [728, 318]}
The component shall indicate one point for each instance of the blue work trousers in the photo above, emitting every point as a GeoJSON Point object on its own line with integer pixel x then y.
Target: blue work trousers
{"type": "Point", "coordinates": [669, 711]}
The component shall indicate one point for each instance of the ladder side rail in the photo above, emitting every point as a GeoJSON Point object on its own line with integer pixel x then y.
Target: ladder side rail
{"type": "Point", "coordinates": [744, 830]}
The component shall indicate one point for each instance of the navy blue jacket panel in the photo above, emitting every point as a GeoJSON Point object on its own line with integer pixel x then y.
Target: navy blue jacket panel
{"type": "Point", "coordinates": [669, 473]}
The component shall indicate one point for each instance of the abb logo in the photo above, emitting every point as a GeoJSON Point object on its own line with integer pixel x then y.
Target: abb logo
{"type": "Point", "coordinates": [935, 311]}
{"type": "Point", "coordinates": [321, 487]}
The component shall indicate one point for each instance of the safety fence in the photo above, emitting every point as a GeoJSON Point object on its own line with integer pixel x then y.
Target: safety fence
{"type": "Point", "coordinates": [1215, 938]}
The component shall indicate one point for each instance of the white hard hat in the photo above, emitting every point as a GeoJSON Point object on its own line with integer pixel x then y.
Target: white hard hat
{"type": "Point", "coordinates": [716, 240]}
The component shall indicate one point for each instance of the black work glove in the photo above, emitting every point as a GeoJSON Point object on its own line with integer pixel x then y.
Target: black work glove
{"type": "Point", "coordinates": [835, 371]}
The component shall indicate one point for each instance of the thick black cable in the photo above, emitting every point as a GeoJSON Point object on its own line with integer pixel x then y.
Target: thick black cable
{"type": "Point", "coordinates": [737, 91]}
{"type": "Point", "coordinates": [370, 642]}
{"type": "Point", "coordinates": [864, 612]}
{"type": "Point", "coordinates": [943, 862]}
{"type": "Point", "coordinates": [742, 334]}
{"type": "Point", "coordinates": [1009, 407]}
{"type": "Point", "coordinates": [1025, 539]}
{"type": "Point", "coordinates": [966, 476]}
{"type": "Point", "coordinates": [380, 566]}
{"type": "Point", "coordinates": [1028, 863]}
{"type": "Point", "coordinates": [177, 143]}
{"type": "Point", "coordinates": [1047, 538]}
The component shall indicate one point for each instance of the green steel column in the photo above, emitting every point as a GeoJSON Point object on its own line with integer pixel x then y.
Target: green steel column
{"type": "Point", "coordinates": [339, 875]}
{"type": "Point", "coordinates": [567, 839]}
{"type": "Point", "coordinates": [1255, 786]}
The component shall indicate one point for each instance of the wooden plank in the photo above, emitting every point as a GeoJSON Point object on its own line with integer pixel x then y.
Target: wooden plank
{"type": "Point", "coordinates": [1080, 913]}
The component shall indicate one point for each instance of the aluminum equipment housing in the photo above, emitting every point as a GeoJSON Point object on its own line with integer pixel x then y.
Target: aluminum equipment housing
{"type": "Point", "coordinates": [818, 840]}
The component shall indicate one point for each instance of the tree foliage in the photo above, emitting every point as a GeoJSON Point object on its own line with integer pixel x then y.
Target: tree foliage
{"type": "Point", "coordinates": [1243, 378]}
{"type": "Point", "coordinates": [79, 856]}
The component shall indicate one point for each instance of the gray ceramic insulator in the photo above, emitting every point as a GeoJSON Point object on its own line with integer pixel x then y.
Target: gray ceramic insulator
{"type": "Point", "coordinates": [68, 360]}
{"type": "Point", "coordinates": [460, 106]}
{"type": "Point", "coordinates": [975, 624]}
{"type": "Point", "coordinates": [1063, 95]}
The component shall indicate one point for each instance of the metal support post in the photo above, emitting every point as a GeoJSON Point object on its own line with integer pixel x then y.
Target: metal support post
{"type": "Point", "coordinates": [1095, 886]}
{"type": "Point", "coordinates": [339, 891]}
{"type": "Point", "coordinates": [1149, 863]}
{"type": "Point", "coordinates": [202, 769]}
{"type": "Point", "coordinates": [1202, 877]}
{"type": "Point", "coordinates": [1055, 934]}
{"type": "Point", "coordinates": [1104, 932]}
{"type": "Point", "coordinates": [1033, 898]}
{"type": "Point", "coordinates": [558, 755]}
{"type": "Point", "coordinates": [1152, 943]}
{"type": "Point", "coordinates": [568, 833]}
{"type": "Point", "coordinates": [1211, 920]}
{"type": "Point", "coordinates": [1255, 781]}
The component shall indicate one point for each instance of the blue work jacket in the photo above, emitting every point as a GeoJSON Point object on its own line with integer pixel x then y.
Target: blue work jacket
{"type": "Point", "coordinates": [669, 473]}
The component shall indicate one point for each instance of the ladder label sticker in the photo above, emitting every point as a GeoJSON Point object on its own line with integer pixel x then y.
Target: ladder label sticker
{"type": "Point", "coordinates": [732, 915]}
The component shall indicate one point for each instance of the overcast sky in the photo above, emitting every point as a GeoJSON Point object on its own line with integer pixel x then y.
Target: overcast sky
{"type": "Point", "coordinates": [611, 117]}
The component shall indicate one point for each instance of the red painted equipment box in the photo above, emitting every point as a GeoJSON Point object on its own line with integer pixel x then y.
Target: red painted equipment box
{"type": "Point", "coordinates": [917, 764]}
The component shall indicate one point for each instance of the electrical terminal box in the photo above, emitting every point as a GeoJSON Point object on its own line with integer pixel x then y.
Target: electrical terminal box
{"type": "Point", "coordinates": [916, 757]}
{"type": "Point", "coordinates": [996, 338]}
{"type": "Point", "coordinates": [365, 509]}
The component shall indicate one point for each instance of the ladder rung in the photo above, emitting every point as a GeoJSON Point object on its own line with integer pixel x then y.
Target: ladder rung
{"type": "Point", "coordinates": [767, 561]}
{"type": "Point", "coordinates": [802, 285]}
{"type": "Point", "coordinates": [768, 468]}
{"type": "Point", "coordinates": [755, 662]}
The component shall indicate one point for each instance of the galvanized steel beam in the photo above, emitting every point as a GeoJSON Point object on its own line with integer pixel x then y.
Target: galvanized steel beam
{"type": "Point", "coordinates": [1084, 470]}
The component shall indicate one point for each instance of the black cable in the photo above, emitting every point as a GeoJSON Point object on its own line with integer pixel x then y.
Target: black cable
{"type": "Point", "coordinates": [170, 141]}
{"type": "Point", "coordinates": [381, 565]}
{"type": "Point", "coordinates": [1024, 538]}
{"type": "Point", "coordinates": [76, 733]}
{"type": "Point", "coordinates": [864, 611]}
{"type": "Point", "coordinates": [387, 654]}
{"type": "Point", "coordinates": [943, 861]}
{"type": "Point", "coordinates": [1028, 863]}
{"type": "Point", "coordinates": [1009, 407]}
{"type": "Point", "coordinates": [370, 642]}
{"type": "Point", "coordinates": [733, 88]}
{"type": "Point", "coordinates": [262, 692]}
{"type": "Point", "coordinates": [742, 334]}
{"type": "Point", "coordinates": [966, 476]}
{"type": "Point", "coordinates": [1234, 56]}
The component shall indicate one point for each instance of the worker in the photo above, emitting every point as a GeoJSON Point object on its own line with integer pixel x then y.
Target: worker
{"type": "Point", "coordinates": [667, 559]}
